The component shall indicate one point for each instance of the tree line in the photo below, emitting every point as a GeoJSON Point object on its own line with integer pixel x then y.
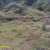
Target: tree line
{"type": "Point", "coordinates": [39, 4]}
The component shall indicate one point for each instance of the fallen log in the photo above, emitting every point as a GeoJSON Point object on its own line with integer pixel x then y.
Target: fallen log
{"type": "Point", "coordinates": [20, 18]}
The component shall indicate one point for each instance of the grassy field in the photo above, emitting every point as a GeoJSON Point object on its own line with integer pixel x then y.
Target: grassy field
{"type": "Point", "coordinates": [29, 12]}
{"type": "Point", "coordinates": [24, 36]}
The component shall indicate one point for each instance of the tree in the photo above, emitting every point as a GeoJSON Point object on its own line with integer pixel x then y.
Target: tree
{"type": "Point", "coordinates": [30, 2]}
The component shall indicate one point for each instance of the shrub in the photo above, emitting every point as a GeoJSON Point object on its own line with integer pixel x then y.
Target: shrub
{"type": "Point", "coordinates": [47, 9]}
{"type": "Point", "coordinates": [13, 6]}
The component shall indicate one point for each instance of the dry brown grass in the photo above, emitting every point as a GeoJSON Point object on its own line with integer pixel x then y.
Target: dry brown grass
{"type": "Point", "coordinates": [24, 35]}
{"type": "Point", "coordinates": [2, 14]}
